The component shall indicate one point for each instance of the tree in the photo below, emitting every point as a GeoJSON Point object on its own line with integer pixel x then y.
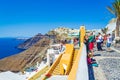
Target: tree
{"type": "Point", "coordinates": [104, 30]}
{"type": "Point", "coordinates": [115, 9]}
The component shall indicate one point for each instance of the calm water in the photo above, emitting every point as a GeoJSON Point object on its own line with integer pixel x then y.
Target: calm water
{"type": "Point", "coordinates": [8, 47]}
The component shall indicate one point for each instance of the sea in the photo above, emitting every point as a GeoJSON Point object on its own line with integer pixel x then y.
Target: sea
{"type": "Point", "coordinates": [8, 46]}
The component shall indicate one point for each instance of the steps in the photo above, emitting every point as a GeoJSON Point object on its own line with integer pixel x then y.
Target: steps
{"type": "Point", "coordinates": [56, 70]}
{"type": "Point", "coordinates": [74, 55]}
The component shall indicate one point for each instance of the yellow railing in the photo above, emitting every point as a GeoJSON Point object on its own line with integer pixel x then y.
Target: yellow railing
{"type": "Point", "coordinates": [53, 66]}
{"type": "Point", "coordinates": [66, 59]}
{"type": "Point", "coordinates": [73, 72]}
{"type": "Point", "coordinates": [75, 55]}
{"type": "Point", "coordinates": [82, 34]}
{"type": "Point", "coordinates": [39, 73]}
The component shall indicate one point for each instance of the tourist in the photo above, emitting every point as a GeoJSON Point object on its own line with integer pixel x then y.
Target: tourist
{"type": "Point", "coordinates": [104, 39]}
{"type": "Point", "coordinates": [113, 36]}
{"type": "Point", "coordinates": [62, 47]}
{"type": "Point", "coordinates": [96, 39]}
{"type": "Point", "coordinates": [76, 42]}
{"type": "Point", "coordinates": [90, 61]}
{"type": "Point", "coordinates": [99, 42]}
{"type": "Point", "coordinates": [109, 41]}
{"type": "Point", "coordinates": [91, 40]}
{"type": "Point", "coordinates": [86, 43]}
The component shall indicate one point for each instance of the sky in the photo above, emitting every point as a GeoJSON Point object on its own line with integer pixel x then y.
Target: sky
{"type": "Point", "coordinates": [25, 18]}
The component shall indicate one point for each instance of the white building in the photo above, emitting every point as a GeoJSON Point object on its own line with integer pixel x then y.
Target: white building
{"type": "Point", "coordinates": [111, 25]}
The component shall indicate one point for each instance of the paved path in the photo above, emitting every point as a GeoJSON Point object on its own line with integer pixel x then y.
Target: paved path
{"type": "Point", "coordinates": [109, 66]}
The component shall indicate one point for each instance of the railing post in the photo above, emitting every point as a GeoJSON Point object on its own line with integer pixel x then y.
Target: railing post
{"type": "Point", "coordinates": [82, 34]}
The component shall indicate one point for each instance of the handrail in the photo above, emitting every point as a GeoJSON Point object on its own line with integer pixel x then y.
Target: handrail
{"type": "Point", "coordinates": [75, 68]}
{"type": "Point", "coordinates": [82, 34]}
{"type": "Point", "coordinates": [73, 72]}
{"type": "Point", "coordinates": [53, 66]}
{"type": "Point", "coordinates": [80, 68]}
{"type": "Point", "coordinates": [66, 59]}
{"type": "Point", "coordinates": [38, 74]}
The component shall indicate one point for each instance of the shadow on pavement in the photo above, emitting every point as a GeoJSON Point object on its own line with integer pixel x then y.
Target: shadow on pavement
{"type": "Point", "coordinates": [111, 51]}
{"type": "Point", "coordinates": [97, 55]}
{"type": "Point", "coordinates": [91, 72]}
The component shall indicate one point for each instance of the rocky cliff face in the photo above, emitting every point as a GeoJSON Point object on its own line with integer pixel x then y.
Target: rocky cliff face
{"type": "Point", "coordinates": [36, 48]}
{"type": "Point", "coordinates": [28, 57]}
{"type": "Point", "coordinates": [31, 41]}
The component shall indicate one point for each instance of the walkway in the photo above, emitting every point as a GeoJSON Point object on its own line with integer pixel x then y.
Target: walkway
{"type": "Point", "coordinates": [109, 65]}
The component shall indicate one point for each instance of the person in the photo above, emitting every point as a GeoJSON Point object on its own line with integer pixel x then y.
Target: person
{"type": "Point", "coordinates": [96, 39]}
{"type": "Point", "coordinates": [99, 42]}
{"type": "Point", "coordinates": [62, 47]}
{"type": "Point", "coordinates": [91, 42]}
{"type": "Point", "coordinates": [76, 42]}
{"type": "Point", "coordinates": [109, 41]}
{"type": "Point", "coordinates": [105, 39]}
{"type": "Point", "coordinates": [90, 61]}
{"type": "Point", "coordinates": [86, 42]}
{"type": "Point", "coordinates": [113, 36]}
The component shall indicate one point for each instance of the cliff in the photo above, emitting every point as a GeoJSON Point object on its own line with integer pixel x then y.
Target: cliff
{"type": "Point", "coordinates": [28, 57]}
{"type": "Point", "coordinates": [31, 41]}
{"type": "Point", "coordinates": [36, 48]}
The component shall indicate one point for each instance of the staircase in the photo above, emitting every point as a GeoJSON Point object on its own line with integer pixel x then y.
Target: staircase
{"type": "Point", "coordinates": [56, 71]}
{"type": "Point", "coordinates": [74, 55]}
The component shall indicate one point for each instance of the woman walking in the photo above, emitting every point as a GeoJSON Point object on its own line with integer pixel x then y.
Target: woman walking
{"type": "Point", "coordinates": [109, 41]}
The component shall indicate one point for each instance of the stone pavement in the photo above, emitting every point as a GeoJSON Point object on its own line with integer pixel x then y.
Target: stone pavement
{"type": "Point", "coordinates": [109, 65]}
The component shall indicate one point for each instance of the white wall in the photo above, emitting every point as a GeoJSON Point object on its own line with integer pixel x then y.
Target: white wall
{"type": "Point", "coordinates": [82, 72]}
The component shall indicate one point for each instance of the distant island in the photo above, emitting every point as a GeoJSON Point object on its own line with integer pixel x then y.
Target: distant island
{"type": "Point", "coordinates": [19, 38]}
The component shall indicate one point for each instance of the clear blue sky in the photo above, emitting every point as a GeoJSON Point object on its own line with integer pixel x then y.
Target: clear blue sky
{"type": "Point", "coordinates": [29, 17]}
